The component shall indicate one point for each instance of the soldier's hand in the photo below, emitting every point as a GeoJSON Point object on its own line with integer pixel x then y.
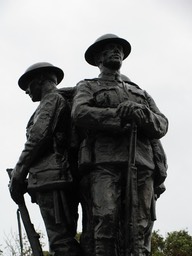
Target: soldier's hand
{"type": "Point", "coordinates": [16, 188]}
{"type": "Point", "coordinates": [138, 116]}
{"type": "Point", "coordinates": [130, 110]}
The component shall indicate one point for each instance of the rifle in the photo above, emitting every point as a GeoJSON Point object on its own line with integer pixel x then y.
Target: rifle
{"type": "Point", "coordinates": [131, 199]}
{"type": "Point", "coordinates": [32, 235]}
{"type": "Point", "coordinates": [20, 232]}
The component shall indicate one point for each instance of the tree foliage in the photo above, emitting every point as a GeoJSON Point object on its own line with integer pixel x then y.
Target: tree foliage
{"type": "Point", "coordinates": [13, 246]}
{"type": "Point", "coordinates": [157, 244]}
{"type": "Point", "coordinates": [176, 243]}
{"type": "Point", "coordinates": [78, 235]}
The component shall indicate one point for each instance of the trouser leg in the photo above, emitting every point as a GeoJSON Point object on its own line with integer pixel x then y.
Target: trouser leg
{"type": "Point", "coordinates": [87, 236]}
{"type": "Point", "coordinates": [60, 235]}
{"type": "Point", "coordinates": [145, 196]}
{"type": "Point", "coordinates": [101, 208]}
{"type": "Point", "coordinates": [103, 197]}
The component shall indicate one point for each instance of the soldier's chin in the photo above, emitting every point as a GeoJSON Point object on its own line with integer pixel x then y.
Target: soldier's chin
{"type": "Point", "coordinates": [35, 99]}
{"type": "Point", "coordinates": [115, 65]}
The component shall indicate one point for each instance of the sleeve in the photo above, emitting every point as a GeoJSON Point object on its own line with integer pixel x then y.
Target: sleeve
{"type": "Point", "coordinates": [86, 114]}
{"type": "Point", "coordinates": [41, 131]}
{"type": "Point", "coordinates": [156, 124]}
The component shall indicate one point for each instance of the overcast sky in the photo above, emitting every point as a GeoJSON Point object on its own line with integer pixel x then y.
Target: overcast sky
{"type": "Point", "coordinates": [59, 32]}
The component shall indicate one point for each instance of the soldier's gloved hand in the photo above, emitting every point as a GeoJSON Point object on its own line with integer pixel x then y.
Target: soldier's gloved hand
{"type": "Point", "coordinates": [139, 116]}
{"type": "Point", "coordinates": [16, 188]}
{"type": "Point", "coordinates": [130, 110]}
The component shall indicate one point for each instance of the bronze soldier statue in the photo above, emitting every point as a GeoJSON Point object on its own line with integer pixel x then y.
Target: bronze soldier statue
{"type": "Point", "coordinates": [103, 112]}
{"type": "Point", "coordinates": [45, 159]}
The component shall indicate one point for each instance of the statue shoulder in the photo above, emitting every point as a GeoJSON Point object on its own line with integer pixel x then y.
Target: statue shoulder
{"type": "Point", "coordinates": [88, 85]}
{"type": "Point", "coordinates": [87, 81]}
{"type": "Point", "coordinates": [132, 84]}
{"type": "Point", "coordinates": [135, 89]}
{"type": "Point", "coordinates": [67, 93]}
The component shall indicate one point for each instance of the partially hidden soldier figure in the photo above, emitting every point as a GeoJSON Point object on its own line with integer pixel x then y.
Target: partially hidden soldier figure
{"type": "Point", "coordinates": [44, 160]}
{"type": "Point", "coordinates": [104, 111]}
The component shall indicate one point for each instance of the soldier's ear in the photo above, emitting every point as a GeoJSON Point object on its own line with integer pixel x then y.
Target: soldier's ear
{"type": "Point", "coordinates": [48, 76]}
{"type": "Point", "coordinates": [98, 58]}
{"type": "Point", "coordinates": [54, 78]}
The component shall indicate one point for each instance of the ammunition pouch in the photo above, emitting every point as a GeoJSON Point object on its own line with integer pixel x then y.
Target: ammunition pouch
{"type": "Point", "coordinates": [51, 172]}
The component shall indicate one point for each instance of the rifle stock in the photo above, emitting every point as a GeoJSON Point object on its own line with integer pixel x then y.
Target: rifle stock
{"type": "Point", "coordinates": [32, 235]}
{"type": "Point", "coordinates": [131, 199]}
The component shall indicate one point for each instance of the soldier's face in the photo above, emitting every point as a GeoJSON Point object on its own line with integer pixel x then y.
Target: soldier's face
{"type": "Point", "coordinates": [34, 90]}
{"type": "Point", "coordinates": [112, 56]}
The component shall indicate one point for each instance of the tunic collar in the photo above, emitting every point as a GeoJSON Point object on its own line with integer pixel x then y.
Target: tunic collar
{"type": "Point", "coordinates": [111, 76]}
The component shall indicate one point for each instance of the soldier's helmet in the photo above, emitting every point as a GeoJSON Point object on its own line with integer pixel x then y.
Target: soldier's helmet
{"type": "Point", "coordinates": [36, 68]}
{"type": "Point", "coordinates": [101, 41]}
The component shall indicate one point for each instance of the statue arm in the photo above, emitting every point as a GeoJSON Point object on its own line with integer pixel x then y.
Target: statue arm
{"type": "Point", "coordinates": [39, 134]}
{"type": "Point", "coordinates": [150, 121]}
{"type": "Point", "coordinates": [156, 124]}
{"type": "Point", "coordinates": [86, 114]}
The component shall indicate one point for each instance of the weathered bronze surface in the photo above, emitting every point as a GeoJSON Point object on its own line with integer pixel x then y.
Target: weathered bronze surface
{"type": "Point", "coordinates": [119, 179]}
{"type": "Point", "coordinates": [98, 144]}
{"type": "Point", "coordinates": [45, 159]}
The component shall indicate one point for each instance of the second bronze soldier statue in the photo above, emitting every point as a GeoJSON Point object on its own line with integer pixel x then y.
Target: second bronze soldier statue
{"type": "Point", "coordinates": [45, 159]}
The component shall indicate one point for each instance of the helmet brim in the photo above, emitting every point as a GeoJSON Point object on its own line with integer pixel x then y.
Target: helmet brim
{"type": "Point", "coordinates": [94, 48]}
{"type": "Point", "coordinates": [26, 77]}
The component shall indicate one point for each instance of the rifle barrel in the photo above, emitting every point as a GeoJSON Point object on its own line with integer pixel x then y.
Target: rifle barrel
{"type": "Point", "coordinates": [131, 199]}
